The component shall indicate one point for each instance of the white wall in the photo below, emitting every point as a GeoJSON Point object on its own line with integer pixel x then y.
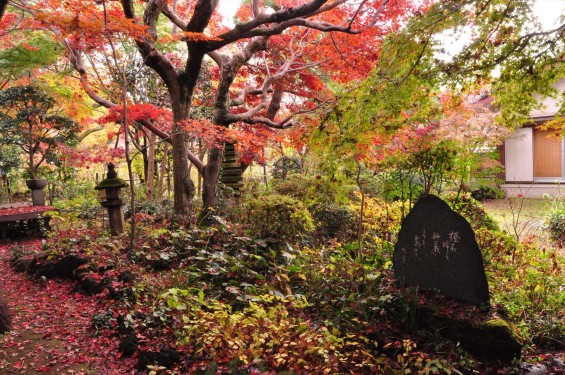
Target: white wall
{"type": "Point", "coordinates": [549, 106]}
{"type": "Point", "coordinates": [519, 156]}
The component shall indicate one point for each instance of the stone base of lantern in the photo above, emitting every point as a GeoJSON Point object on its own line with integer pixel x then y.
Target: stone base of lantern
{"type": "Point", "coordinates": [115, 215]}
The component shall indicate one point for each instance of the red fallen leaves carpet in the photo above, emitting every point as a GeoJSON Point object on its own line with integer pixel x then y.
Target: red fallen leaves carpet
{"type": "Point", "coordinates": [25, 209]}
{"type": "Point", "coordinates": [51, 327]}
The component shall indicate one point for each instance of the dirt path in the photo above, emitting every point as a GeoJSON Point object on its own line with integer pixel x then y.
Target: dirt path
{"type": "Point", "coordinates": [51, 328]}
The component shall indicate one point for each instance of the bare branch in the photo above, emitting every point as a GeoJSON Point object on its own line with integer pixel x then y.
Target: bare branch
{"type": "Point", "coordinates": [231, 118]}
{"type": "Point", "coordinates": [173, 17]}
{"type": "Point", "coordinates": [275, 104]}
{"type": "Point", "coordinates": [255, 8]}
{"type": "Point", "coordinates": [244, 30]}
{"type": "Point", "coordinates": [284, 124]}
{"type": "Point", "coordinates": [240, 100]}
{"type": "Point", "coordinates": [289, 17]}
{"type": "Point", "coordinates": [87, 132]}
{"type": "Point", "coordinates": [75, 57]}
{"type": "Point", "coordinates": [218, 58]}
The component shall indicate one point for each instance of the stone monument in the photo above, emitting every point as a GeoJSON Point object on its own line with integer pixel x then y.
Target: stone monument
{"type": "Point", "coordinates": [437, 250]}
{"type": "Point", "coordinates": [5, 317]}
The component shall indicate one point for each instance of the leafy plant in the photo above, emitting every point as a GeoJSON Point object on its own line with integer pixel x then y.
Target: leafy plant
{"type": "Point", "coordinates": [333, 220]}
{"type": "Point", "coordinates": [278, 217]}
{"type": "Point", "coordinates": [268, 333]}
{"type": "Point", "coordinates": [472, 210]}
{"type": "Point", "coordinates": [528, 283]}
{"type": "Point", "coordinates": [313, 191]}
{"type": "Point", "coordinates": [555, 220]}
{"type": "Point", "coordinates": [381, 220]}
{"type": "Point", "coordinates": [286, 165]}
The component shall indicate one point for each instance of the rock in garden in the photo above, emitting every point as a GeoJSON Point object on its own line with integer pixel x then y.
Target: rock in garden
{"type": "Point", "coordinates": [64, 268]}
{"type": "Point", "coordinates": [128, 345]}
{"type": "Point", "coordinates": [90, 286]}
{"type": "Point", "coordinates": [482, 336]}
{"type": "Point", "coordinates": [437, 250]}
{"type": "Point", "coordinates": [126, 277]}
{"type": "Point", "coordinates": [165, 357]}
{"type": "Point", "coordinates": [5, 317]}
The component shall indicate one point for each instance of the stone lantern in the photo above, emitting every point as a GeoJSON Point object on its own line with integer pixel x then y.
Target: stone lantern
{"type": "Point", "coordinates": [112, 185]}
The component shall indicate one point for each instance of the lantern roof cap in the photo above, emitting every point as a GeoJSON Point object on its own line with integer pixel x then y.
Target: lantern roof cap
{"type": "Point", "coordinates": [112, 180]}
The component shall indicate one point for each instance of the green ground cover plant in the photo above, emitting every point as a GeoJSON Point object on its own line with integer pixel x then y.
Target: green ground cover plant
{"type": "Point", "coordinates": [231, 302]}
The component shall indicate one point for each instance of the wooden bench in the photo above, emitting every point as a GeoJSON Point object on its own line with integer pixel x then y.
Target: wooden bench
{"type": "Point", "coordinates": [22, 217]}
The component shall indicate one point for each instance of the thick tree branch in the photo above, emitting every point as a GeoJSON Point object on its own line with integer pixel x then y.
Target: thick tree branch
{"type": "Point", "coordinates": [231, 118]}
{"type": "Point", "coordinates": [242, 94]}
{"type": "Point", "coordinates": [3, 6]}
{"type": "Point", "coordinates": [245, 30]}
{"type": "Point", "coordinates": [284, 124]}
{"type": "Point", "coordinates": [75, 57]}
{"type": "Point", "coordinates": [228, 73]}
{"type": "Point", "coordinates": [275, 104]}
{"type": "Point", "coordinates": [282, 21]}
{"type": "Point", "coordinates": [201, 17]}
{"type": "Point", "coordinates": [255, 8]}
{"type": "Point", "coordinates": [152, 57]}
{"type": "Point", "coordinates": [218, 58]}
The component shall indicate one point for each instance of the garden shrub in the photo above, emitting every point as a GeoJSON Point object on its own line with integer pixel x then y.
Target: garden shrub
{"type": "Point", "coordinates": [278, 217]}
{"type": "Point", "coordinates": [313, 190]}
{"type": "Point", "coordinates": [339, 287]}
{"type": "Point", "coordinates": [381, 220]}
{"type": "Point", "coordinates": [487, 192]}
{"type": "Point", "coordinates": [399, 185]}
{"type": "Point", "coordinates": [472, 210]}
{"type": "Point", "coordinates": [80, 211]}
{"type": "Point", "coordinates": [334, 220]}
{"type": "Point", "coordinates": [163, 209]}
{"type": "Point", "coordinates": [286, 165]}
{"type": "Point", "coordinates": [295, 186]}
{"type": "Point", "coordinates": [496, 247]}
{"type": "Point", "coordinates": [266, 334]}
{"type": "Point", "coordinates": [555, 220]}
{"type": "Point", "coordinates": [528, 284]}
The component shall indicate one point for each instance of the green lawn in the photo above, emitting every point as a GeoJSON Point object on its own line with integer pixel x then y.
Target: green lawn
{"type": "Point", "coordinates": [519, 216]}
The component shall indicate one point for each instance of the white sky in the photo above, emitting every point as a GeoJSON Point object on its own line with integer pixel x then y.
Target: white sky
{"type": "Point", "coordinates": [547, 10]}
{"type": "Point", "coordinates": [228, 8]}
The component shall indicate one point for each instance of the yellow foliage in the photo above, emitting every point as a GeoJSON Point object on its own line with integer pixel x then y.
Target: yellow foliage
{"type": "Point", "coordinates": [381, 219]}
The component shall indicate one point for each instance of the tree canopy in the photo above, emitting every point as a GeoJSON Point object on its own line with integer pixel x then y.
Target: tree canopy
{"type": "Point", "coordinates": [32, 120]}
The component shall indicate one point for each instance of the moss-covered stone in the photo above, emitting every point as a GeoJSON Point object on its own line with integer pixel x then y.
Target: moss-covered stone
{"type": "Point", "coordinates": [483, 338]}
{"type": "Point", "coordinates": [109, 183]}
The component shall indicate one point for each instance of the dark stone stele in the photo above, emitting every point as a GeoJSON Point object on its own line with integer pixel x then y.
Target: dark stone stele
{"type": "Point", "coordinates": [5, 317]}
{"type": "Point", "coordinates": [437, 250]}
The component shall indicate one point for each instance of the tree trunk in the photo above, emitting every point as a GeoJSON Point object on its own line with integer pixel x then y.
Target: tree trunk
{"type": "Point", "coordinates": [162, 172]}
{"type": "Point", "coordinates": [150, 177]}
{"type": "Point", "coordinates": [210, 179]}
{"type": "Point", "coordinates": [183, 194]}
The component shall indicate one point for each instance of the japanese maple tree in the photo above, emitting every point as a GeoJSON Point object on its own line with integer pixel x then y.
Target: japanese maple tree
{"type": "Point", "coordinates": [32, 120]}
{"type": "Point", "coordinates": [503, 46]}
{"type": "Point", "coordinates": [268, 66]}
